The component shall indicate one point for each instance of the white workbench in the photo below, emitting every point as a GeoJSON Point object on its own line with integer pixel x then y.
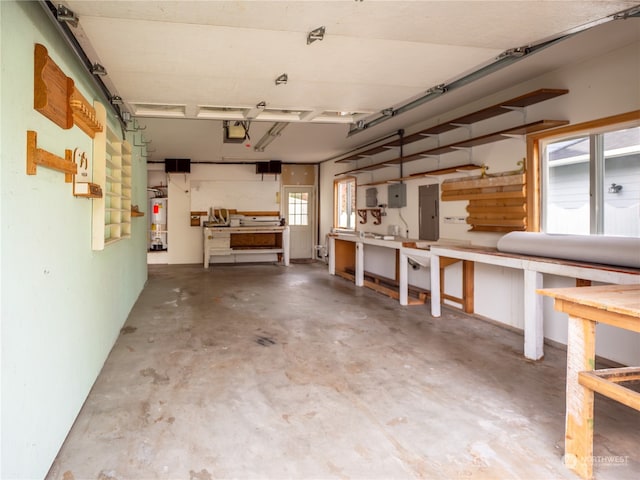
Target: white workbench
{"type": "Point", "coordinates": [533, 269]}
{"type": "Point", "coordinates": [217, 242]}
{"type": "Point", "coordinates": [360, 241]}
{"type": "Point", "coordinates": [429, 253]}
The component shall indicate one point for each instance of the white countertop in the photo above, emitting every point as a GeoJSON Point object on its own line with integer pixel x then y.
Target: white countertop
{"type": "Point", "coordinates": [396, 242]}
{"type": "Point", "coordinates": [248, 229]}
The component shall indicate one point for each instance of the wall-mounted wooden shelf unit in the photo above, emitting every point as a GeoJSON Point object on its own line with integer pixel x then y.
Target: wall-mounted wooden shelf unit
{"type": "Point", "coordinates": [519, 102]}
{"type": "Point", "coordinates": [497, 203]}
{"type": "Point", "coordinates": [469, 143]}
{"type": "Point", "coordinates": [430, 173]}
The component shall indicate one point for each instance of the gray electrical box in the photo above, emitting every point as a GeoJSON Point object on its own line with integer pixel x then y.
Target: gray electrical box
{"type": "Point", "coordinates": [372, 197]}
{"type": "Point", "coordinates": [397, 195]}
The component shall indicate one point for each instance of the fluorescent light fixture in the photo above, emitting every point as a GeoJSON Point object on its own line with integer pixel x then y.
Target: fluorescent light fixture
{"type": "Point", "coordinates": [273, 133]}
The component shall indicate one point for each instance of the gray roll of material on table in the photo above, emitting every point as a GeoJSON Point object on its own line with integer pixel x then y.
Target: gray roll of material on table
{"type": "Point", "coordinates": [607, 250]}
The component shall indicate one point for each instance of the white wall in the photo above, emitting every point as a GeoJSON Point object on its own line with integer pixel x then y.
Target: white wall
{"type": "Point", "coordinates": [600, 87]}
{"type": "Point", "coordinates": [228, 186]}
{"type": "Point", "coordinates": [63, 304]}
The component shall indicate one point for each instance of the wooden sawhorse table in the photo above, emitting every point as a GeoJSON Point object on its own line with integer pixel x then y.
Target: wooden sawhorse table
{"type": "Point", "coordinates": [617, 305]}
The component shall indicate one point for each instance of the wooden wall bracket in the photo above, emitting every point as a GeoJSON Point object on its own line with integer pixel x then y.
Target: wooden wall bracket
{"type": "Point", "coordinates": [362, 213]}
{"type": "Point", "coordinates": [56, 97]}
{"type": "Point", "coordinates": [37, 156]}
{"type": "Point", "coordinates": [84, 115]}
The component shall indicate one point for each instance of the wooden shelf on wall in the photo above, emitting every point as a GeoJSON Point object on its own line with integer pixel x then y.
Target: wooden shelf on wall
{"type": "Point", "coordinates": [506, 106]}
{"type": "Point", "coordinates": [469, 143]}
{"type": "Point", "coordinates": [430, 173]}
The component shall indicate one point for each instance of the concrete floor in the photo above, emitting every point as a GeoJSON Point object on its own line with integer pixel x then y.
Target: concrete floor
{"type": "Point", "coordinates": [261, 371]}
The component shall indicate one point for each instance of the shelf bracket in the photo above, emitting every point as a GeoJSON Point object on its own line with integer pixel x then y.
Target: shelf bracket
{"type": "Point", "coordinates": [376, 213]}
{"type": "Point", "coordinates": [362, 213]}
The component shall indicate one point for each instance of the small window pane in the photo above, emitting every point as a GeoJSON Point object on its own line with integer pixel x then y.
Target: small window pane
{"type": "Point", "coordinates": [346, 204]}
{"type": "Point", "coordinates": [621, 189]}
{"type": "Point", "coordinates": [568, 200]}
{"type": "Point", "coordinates": [298, 204]}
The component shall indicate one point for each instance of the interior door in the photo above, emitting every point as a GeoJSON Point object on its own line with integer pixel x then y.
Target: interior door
{"type": "Point", "coordinates": [299, 212]}
{"type": "Point", "coordinates": [429, 212]}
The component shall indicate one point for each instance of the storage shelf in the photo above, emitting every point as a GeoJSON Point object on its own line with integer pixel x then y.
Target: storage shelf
{"type": "Point", "coordinates": [430, 173]}
{"type": "Point", "coordinates": [112, 171]}
{"type": "Point", "coordinates": [497, 203]}
{"type": "Point", "coordinates": [469, 143]}
{"type": "Point", "coordinates": [521, 101]}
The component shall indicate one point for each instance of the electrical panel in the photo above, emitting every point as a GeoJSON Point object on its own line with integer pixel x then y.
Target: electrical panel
{"type": "Point", "coordinates": [372, 197]}
{"type": "Point", "coordinates": [397, 195]}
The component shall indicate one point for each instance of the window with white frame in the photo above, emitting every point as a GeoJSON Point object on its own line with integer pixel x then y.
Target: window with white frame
{"type": "Point", "coordinates": [591, 182]}
{"type": "Point", "coordinates": [345, 203]}
{"type": "Point", "coordinates": [298, 208]}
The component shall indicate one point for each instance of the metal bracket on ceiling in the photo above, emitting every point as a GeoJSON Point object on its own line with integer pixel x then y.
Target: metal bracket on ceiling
{"type": "Point", "coordinates": [315, 34]}
{"type": "Point", "coordinates": [65, 14]}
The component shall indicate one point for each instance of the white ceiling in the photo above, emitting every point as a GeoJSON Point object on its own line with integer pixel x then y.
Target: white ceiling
{"type": "Point", "coordinates": [179, 57]}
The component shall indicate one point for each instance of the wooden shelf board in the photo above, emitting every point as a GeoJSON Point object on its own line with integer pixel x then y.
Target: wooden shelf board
{"type": "Point", "coordinates": [365, 153]}
{"type": "Point", "coordinates": [414, 176]}
{"type": "Point", "coordinates": [472, 142]}
{"type": "Point", "coordinates": [521, 101]}
{"type": "Point", "coordinates": [534, 97]}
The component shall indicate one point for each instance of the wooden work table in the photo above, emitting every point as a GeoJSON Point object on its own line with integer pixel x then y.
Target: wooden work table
{"type": "Point", "coordinates": [616, 305]}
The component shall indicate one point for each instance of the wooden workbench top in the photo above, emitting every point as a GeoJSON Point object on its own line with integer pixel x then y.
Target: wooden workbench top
{"type": "Point", "coordinates": [622, 299]}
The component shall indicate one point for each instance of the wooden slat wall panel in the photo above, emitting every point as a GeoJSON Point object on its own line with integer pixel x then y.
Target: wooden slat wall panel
{"type": "Point", "coordinates": [496, 203]}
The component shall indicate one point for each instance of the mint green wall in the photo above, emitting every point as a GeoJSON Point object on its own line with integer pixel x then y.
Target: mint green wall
{"type": "Point", "coordinates": [62, 304]}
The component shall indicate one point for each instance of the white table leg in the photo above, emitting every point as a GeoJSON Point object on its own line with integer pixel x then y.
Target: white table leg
{"type": "Point", "coordinates": [359, 264]}
{"type": "Point", "coordinates": [533, 316]}
{"type": "Point", "coordinates": [332, 255]}
{"type": "Point", "coordinates": [285, 246]}
{"type": "Point", "coordinates": [403, 280]}
{"type": "Point", "coordinates": [434, 272]}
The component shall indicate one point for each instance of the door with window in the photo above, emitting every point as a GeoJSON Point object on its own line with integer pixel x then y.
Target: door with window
{"type": "Point", "coordinates": [299, 212]}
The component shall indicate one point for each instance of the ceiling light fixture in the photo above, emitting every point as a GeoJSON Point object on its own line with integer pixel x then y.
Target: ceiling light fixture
{"type": "Point", "coordinates": [97, 69]}
{"type": "Point", "coordinates": [315, 34]}
{"type": "Point", "coordinates": [274, 132]}
{"type": "Point", "coordinates": [282, 79]}
{"type": "Point", "coordinates": [116, 100]}
{"type": "Point", "coordinates": [64, 14]}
